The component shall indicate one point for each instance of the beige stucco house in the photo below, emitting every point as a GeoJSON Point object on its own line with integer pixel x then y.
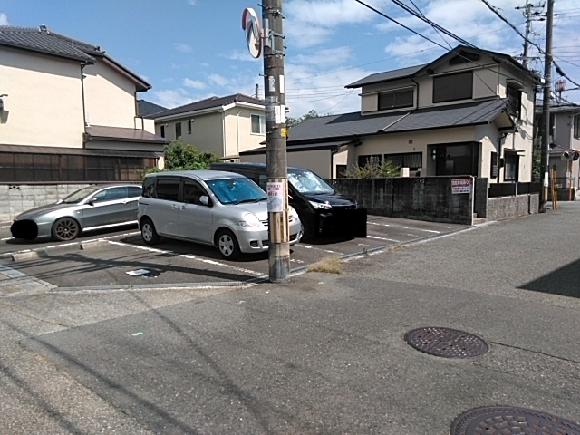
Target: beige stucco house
{"type": "Point", "coordinates": [69, 111]}
{"type": "Point", "coordinates": [469, 112]}
{"type": "Point", "coordinates": [224, 126]}
{"type": "Point", "coordinates": [564, 141]}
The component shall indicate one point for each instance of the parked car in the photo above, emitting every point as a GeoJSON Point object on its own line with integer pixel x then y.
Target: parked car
{"type": "Point", "coordinates": [85, 209]}
{"type": "Point", "coordinates": [320, 207]}
{"type": "Point", "coordinates": [217, 208]}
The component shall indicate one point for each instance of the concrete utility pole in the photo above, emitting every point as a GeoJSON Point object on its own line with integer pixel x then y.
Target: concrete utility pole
{"type": "Point", "coordinates": [545, 162]}
{"type": "Point", "coordinates": [277, 185]}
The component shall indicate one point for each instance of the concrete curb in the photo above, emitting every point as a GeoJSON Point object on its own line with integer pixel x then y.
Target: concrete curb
{"type": "Point", "coordinates": [27, 255]}
{"type": "Point", "coordinates": [90, 244]}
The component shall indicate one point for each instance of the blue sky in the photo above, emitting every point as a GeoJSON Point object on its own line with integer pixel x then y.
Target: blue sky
{"type": "Point", "coordinates": [193, 49]}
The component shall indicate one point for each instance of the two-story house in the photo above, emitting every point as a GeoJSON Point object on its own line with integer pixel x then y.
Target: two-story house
{"type": "Point", "coordinates": [469, 112]}
{"type": "Point", "coordinates": [224, 126]}
{"type": "Point", "coordinates": [564, 139]}
{"type": "Point", "coordinates": [69, 112]}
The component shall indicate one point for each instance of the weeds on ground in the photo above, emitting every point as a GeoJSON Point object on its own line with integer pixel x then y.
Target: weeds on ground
{"type": "Point", "coordinates": [327, 265]}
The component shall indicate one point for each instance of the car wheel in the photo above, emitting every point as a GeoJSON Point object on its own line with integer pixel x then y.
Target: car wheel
{"type": "Point", "coordinates": [148, 232]}
{"type": "Point", "coordinates": [227, 244]}
{"type": "Point", "coordinates": [65, 229]}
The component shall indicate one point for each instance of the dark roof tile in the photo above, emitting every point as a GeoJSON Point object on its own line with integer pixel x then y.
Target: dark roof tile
{"type": "Point", "coordinates": [208, 104]}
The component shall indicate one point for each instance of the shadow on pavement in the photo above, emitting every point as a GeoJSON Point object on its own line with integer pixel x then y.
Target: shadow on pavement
{"type": "Point", "coordinates": [92, 233]}
{"type": "Point", "coordinates": [564, 281]}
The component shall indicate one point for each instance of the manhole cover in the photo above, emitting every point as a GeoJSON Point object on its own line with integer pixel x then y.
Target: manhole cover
{"type": "Point", "coordinates": [496, 420]}
{"type": "Point", "coordinates": [446, 342]}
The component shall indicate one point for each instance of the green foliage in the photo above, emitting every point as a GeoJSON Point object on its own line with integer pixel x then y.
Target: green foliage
{"type": "Point", "coordinates": [374, 169]}
{"type": "Point", "coordinates": [291, 122]}
{"type": "Point", "coordinates": [180, 155]}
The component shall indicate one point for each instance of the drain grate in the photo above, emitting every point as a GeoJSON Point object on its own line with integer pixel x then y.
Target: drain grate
{"type": "Point", "coordinates": [508, 420]}
{"type": "Point", "coordinates": [446, 342]}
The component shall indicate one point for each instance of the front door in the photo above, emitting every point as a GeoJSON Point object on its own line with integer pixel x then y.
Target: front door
{"type": "Point", "coordinates": [456, 158]}
{"type": "Point", "coordinates": [195, 219]}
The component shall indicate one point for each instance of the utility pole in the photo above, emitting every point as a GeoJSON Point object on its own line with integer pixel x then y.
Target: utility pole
{"type": "Point", "coordinates": [529, 12]}
{"type": "Point", "coordinates": [277, 184]}
{"type": "Point", "coordinates": [545, 162]}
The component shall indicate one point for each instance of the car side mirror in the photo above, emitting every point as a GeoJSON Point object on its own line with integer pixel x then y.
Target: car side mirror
{"type": "Point", "coordinates": [204, 200]}
{"type": "Point", "coordinates": [91, 201]}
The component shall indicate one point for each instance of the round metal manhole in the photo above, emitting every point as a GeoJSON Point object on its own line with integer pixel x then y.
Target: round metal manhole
{"type": "Point", "coordinates": [446, 342]}
{"type": "Point", "coordinates": [508, 420]}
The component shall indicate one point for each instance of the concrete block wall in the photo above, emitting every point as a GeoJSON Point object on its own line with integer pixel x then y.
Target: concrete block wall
{"type": "Point", "coordinates": [426, 198]}
{"type": "Point", "coordinates": [16, 198]}
{"type": "Point", "coordinates": [508, 207]}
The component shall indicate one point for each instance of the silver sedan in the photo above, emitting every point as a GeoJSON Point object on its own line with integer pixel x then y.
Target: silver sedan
{"type": "Point", "coordinates": [86, 209]}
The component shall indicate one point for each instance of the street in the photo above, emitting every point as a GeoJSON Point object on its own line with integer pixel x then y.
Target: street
{"type": "Point", "coordinates": [324, 353]}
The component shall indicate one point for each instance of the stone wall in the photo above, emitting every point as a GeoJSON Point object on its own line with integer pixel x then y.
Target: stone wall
{"type": "Point", "coordinates": [426, 198]}
{"type": "Point", "coordinates": [508, 207]}
{"type": "Point", "coordinates": [16, 198]}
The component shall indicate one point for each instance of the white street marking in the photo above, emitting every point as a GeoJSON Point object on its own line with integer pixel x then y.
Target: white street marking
{"type": "Point", "coordinates": [328, 251]}
{"type": "Point", "coordinates": [6, 238]}
{"type": "Point", "coordinates": [383, 238]}
{"type": "Point", "coordinates": [404, 227]}
{"type": "Point", "coordinates": [191, 257]}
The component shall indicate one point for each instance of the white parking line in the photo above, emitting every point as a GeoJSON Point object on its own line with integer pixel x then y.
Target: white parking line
{"type": "Point", "coordinates": [404, 227]}
{"type": "Point", "coordinates": [191, 257]}
{"type": "Point", "coordinates": [384, 238]}
{"type": "Point", "coordinates": [6, 238]}
{"type": "Point", "coordinates": [328, 251]}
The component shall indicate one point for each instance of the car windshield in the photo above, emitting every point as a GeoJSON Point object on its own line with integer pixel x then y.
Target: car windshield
{"type": "Point", "coordinates": [78, 195]}
{"type": "Point", "coordinates": [236, 190]}
{"type": "Point", "coordinates": [308, 182]}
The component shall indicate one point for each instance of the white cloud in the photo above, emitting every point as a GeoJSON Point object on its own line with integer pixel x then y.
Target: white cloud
{"type": "Point", "coordinates": [171, 98]}
{"type": "Point", "coordinates": [241, 56]}
{"type": "Point", "coordinates": [218, 79]}
{"type": "Point", "coordinates": [3, 20]}
{"type": "Point", "coordinates": [194, 84]}
{"type": "Point", "coordinates": [325, 57]}
{"type": "Point", "coordinates": [192, 2]}
{"type": "Point", "coordinates": [312, 22]}
{"type": "Point", "coordinates": [182, 47]}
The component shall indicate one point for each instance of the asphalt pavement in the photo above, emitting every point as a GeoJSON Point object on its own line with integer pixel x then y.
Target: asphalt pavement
{"type": "Point", "coordinates": [322, 354]}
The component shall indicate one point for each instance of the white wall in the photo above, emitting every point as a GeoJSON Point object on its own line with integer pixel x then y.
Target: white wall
{"type": "Point", "coordinates": [44, 100]}
{"type": "Point", "coordinates": [109, 97]}
{"type": "Point", "coordinates": [239, 136]}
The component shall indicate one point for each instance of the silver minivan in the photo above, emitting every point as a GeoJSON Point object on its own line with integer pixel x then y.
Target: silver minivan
{"type": "Point", "coordinates": [218, 208]}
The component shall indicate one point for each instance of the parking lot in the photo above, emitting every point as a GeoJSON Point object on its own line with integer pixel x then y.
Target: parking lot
{"type": "Point", "coordinates": [119, 259]}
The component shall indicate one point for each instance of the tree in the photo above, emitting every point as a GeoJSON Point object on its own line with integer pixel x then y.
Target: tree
{"type": "Point", "coordinates": [180, 155]}
{"type": "Point", "coordinates": [374, 169]}
{"type": "Point", "coordinates": [291, 122]}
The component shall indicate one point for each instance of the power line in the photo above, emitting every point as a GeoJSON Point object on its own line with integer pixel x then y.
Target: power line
{"type": "Point", "coordinates": [559, 70]}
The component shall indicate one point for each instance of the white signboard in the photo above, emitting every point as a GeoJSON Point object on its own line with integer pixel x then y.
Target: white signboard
{"type": "Point", "coordinates": [461, 185]}
{"type": "Point", "coordinates": [276, 196]}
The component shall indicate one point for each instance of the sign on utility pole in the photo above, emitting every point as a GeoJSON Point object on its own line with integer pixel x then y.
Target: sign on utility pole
{"type": "Point", "coordinates": [271, 39]}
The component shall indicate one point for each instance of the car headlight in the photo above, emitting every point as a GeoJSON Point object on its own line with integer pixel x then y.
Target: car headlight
{"type": "Point", "coordinates": [250, 221]}
{"type": "Point", "coordinates": [320, 204]}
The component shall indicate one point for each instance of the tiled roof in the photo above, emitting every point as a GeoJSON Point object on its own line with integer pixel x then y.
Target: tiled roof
{"type": "Point", "coordinates": [147, 108]}
{"type": "Point", "coordinates": [102, 132]}
{"type": "Point", "coordinates": [386, 76]}
{"type": "Point", "coordinates": [42, 40]}
{"type": "Point", "coordinates": [208, 104]}
{"type": "Point", "coordinates": [350, 125]}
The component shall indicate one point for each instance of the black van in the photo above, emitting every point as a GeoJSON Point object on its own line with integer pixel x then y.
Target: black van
{"type": "Point", "coordinates": [322, 210]}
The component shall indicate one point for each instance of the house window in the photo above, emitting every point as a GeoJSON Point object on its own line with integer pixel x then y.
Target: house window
{"type": "Point", "coordinates": [514, 96]}
{"type": "Point", "coordinates": [189, 126]}
{"type": "Point", "coordinates": [258, 124]}
{"type": "Point", "coordinates": [511, 166]}
{"type": "Point", "coordinates": [576, 127]}
{"type": "Point", "coordinates": [177, 129]}
{"type": "Point", "coordinates": [371, 159]}
{"type": "Point", "coordinates": [412, 161]}
{"type": "Point", "coordinates": [493, 166]}
{"type": "Point", "coordinates": [453, 87]}
{"type": "Point", "coordinates": [162, 131]}
{"type": "Point", "coordinates": [396, 99]}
